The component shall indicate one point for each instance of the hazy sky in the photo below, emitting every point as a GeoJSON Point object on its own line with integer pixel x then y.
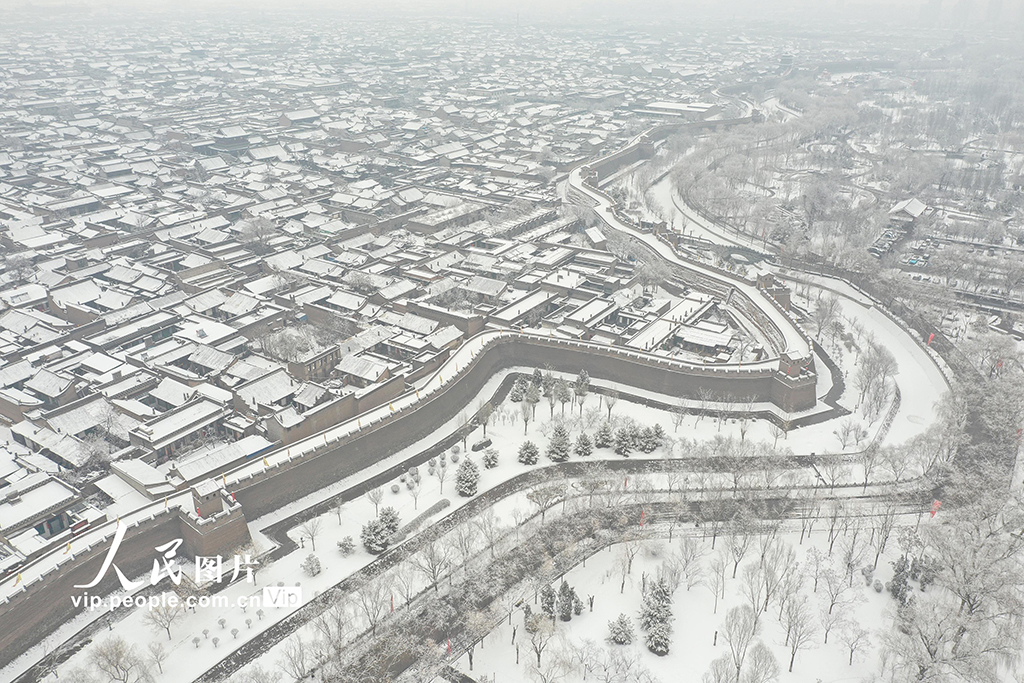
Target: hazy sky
{"type": "Point", "coordinates": [999, 14]}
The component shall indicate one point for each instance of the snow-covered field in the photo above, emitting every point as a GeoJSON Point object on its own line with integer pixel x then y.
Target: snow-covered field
{"type": "Point", "coordinates": [697, 619]}
{"type": "Point", "coordinates": [920, 381]}
{"type": "Point", "coordinates": [187, 661]}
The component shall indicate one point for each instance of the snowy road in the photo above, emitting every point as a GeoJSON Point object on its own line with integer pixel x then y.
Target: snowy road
{"type": "Point", "coordinates": [794, 341]}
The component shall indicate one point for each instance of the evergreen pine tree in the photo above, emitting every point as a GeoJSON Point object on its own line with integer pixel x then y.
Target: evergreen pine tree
{"type": "Point", "coordinates": [518, 391]}
{"type": "Point", "coordinates": [658, 639]}
{"type": "Point", "coordinates": [548, 383]}
{"type": "Point", "coordinates": [538, 378]}
{"type": "Point", "coordinates": [635, 433]}
{"type": "Point", "coordinates": [623, 442]}
{"type": "Point", "coordinates": [547, 601]}
{"type": "Point", "coordinates": [559, 447]}
{"type": "Point", "coordinates": [490, 458]}
{"type": "Point", "coordinates": [565, 600]}
{"type": "Point", "coordinates": [656, 607]}
{"type": "Point", "coordinates": [620, 630]}
{"type": "Point", "coordinates": [659, 435]}
{"type": "Point", "coordinates": [899, 588]}
{"type": "Point", "coordinates": [577, 604]}
{"type": "Point", "coordinates": [466, 478]}
{"type": "Point", "coordinates": [648, 440]}
{"type": "Point", "coordinates": [583, 446]}
{"type": "Point", "coordinates": [528, 453]}
{"type": "Point", "coordinates": [604, 437]}
{"type": "Point", "coordinates": [375, 537]}
{"type": "Point", "coordinates": [389, 518]}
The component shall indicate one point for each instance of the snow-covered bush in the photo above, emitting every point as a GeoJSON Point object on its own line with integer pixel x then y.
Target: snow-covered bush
{"type": "Point", "coordinates": [311, 565]}
{"type": "Point", "coordinates": [623, 442]}
{"type": "Point", "coordinates": [389, 518]}
{"type": "Point", "coordinates": [467, 477]}
{"type": "Point", "coordinates": [518, 391]}
{"type": "Point", "coordinates": [490, 458]}
{"type": "Point", "coordinates": [375, 537]}
{"type": "Point", "coordinates": [583, 446]}
{"type": "Point", "coordinates": [620, 630]}
{"type": "Point", "coordinates": [528, 453]}
{"type": "Point", "coordinates": [346, 546]}
{"type": "Point", "coordinates": [559, 447]}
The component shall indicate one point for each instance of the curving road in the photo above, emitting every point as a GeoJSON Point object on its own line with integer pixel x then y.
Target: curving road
{"type": "Point", "coordinates": [795, 343]}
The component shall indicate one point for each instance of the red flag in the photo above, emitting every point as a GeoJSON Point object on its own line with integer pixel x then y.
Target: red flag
{"type": "Point", "coordinates": [449, 646]}
{"type": "Point", "coordinates": [392, 603]}
{"type": "Point", "coordinates": [625, 483]}
{"type": "Point", "coordinates": [930, 338]}
{"type": "Point", "coordinates": [935, 507]}
{"type": "Point", "coordinates": [641, 518]}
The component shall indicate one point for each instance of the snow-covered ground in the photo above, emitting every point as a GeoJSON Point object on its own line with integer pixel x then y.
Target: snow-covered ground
{"type": "Point", "coordinates": [507, 433]}
{"type": "Point", "coordinates": [919, 378]}
{"type": "Point", "coordinates": [696, 619]}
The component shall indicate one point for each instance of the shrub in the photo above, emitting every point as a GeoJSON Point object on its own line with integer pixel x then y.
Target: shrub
{"type": "Point", "coordinates": [528, 453]}
{"type": "Point", "coordinates": [375, 537]}
{"type": "Point", "coordinates": [467, 478]}
{"type": "Point", "coordinates": [311, 565]}
{"type": "Point", "coordinates": [620, 630]}
{"type": "Point", "coordinates": [481, 444]}
{"type": "Point", "coordinates": [490, 458]}
{"type": "Point", "coordinates": [346, 546]}
{"type": "Point", "coordinates": [583, 446]}
{"type": "Point", "coordinates": [389, 518]}
{"type": "Point", "coordinates": [623, 442]}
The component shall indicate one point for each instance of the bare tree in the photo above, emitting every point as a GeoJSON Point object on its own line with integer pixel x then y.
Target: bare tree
{"type": "Point", "coordinates": [120, 662]}
{"type": "Point", "coordinates": [753, 588]}
{"type": "Point", "coordinates": [834, 470]}
{"type": "Point", "coordinates": [761, 665]}
{"type": "Point", "coordinates": [610, 399]}
{"type": "Point", "coordinates": [441, 472]}
{"type": "Point", "coordinates": [799, 627]}
{"type": "Point", "coordinates": [489, 526]}
{"type": "Point", "coordinates": [678, 415]}
{"type": "Point", "coordinates": [296, 659]}
{"type": "Point", "coordinates": [545, 497]}
{"type": "Point", "coordinates": [870, 459]}
{"type": "Point", "coordinates": [373, 600]}
{"type": "Point", "coordinates": [526, 413]}
{"type": "Point", "coordinates": [541, 630]}
{"type": "Point", "coordinates": [829, 621]}
{"type": "Point", "coordinates": [415, 489]}
{"type": "Point", "coordinates": [854, 638]}
{"type": "Point", "coordinates": [483, 415]}
{"type": "Point", "coordinates": [885, 520]}
{"type": "Point", "coordinates": [376, 496]}
{"type": "Point", "coordinates": [835, 590]}
{"type": "Point", "coordinates": [158, 655]}
{"type": "Point", "coordinates": [715, 579]}
{"type": "Point", "coordinates": [705, 397]}
{"type": "Point", "coordinates": [690, 559]}
{"type": "Point", "coordinates": [738, 630]}
{"type": "Point", "coordinates": [164, 615]}
{"type": "Point", "coordinates": [432, 561]}
{"type": "Point", "coordinates": [310, 529]}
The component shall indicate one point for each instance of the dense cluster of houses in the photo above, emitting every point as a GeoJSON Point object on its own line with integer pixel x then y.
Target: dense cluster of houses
{"type": "Point", "coordinates": [210, 252]}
